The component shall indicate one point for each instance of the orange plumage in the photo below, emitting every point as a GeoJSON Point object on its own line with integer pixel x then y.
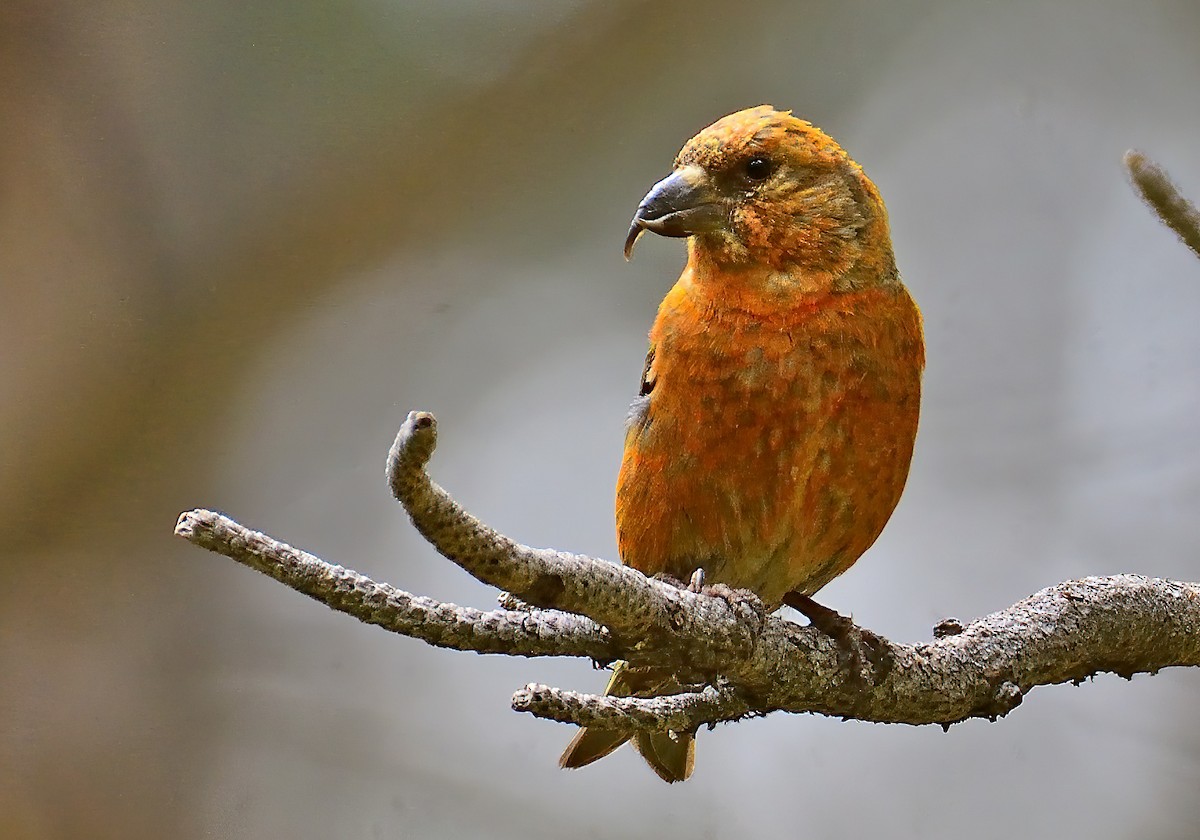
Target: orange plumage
{"type": "Point", "coordinates": [772, 436]}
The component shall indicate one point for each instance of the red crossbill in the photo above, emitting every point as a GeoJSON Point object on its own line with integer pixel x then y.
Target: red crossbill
{"type": "Point", "coordinates": [774, 426]}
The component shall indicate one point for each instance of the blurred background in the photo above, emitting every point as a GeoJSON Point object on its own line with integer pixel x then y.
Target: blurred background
{"type": "Point", "coordinates": [238, 242]}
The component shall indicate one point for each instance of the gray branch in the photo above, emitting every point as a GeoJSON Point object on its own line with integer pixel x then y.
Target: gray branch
{"type": "Point", "coordinates": [638, 610]}
{"type": "Point", "coordinates": [734, 660]}
{"type": "Point", "coordinates": [682, 712]}
{"type": "Point", "coordinates": [513, 632]}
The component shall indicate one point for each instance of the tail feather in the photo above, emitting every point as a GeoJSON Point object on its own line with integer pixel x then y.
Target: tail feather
{"type": "Point", "coordinates": [590, 744]}
{"type": "Point", "coordinates": [671, 755]}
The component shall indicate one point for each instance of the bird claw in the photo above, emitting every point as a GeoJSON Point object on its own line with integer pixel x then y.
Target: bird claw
{"type": "Point", "coordinates": [695, 584]}
{"type": "Point", "coordinates": [859, 647]}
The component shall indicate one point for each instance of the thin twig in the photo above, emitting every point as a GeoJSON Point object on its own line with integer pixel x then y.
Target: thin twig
{"type": "Point", "coordinates": [679, 712]}
{"type": "Point", "coordinates": [516, 633]}
{"type": "Point", "coordinates": [622, 599]}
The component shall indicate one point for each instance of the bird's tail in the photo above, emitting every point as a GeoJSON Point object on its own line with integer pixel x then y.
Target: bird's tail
{"type": "Point", "coordinates": [670, 754]}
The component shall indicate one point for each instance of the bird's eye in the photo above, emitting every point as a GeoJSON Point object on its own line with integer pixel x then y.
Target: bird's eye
{"type": "Point", "coordinates": [757, 169]}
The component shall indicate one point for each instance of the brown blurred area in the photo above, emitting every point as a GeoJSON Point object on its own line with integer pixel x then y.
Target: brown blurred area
{"type": "Point", "coordinates": [239, 242]}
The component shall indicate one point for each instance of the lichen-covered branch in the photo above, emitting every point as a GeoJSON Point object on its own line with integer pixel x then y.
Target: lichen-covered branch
{"type": "Point", "coordinates": [635, 608]}
{"type": "Point", "coordinates": [680, 712]}
{"type": "Point", "coordinates": [735, 660]}
{"type": "Point", "coordinates": [1156, 189]}
{"type": "Point", "coordinates": [1125, 624]}
{"type": "Point", "coordinates": [513, 632]}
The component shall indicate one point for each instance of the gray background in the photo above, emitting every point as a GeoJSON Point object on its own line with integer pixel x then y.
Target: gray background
{"type": "Point", "coordinates": [238, 242]}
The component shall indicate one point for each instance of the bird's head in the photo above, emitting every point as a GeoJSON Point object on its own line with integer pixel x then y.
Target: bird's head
{"type": "Point", "coordinates": [763, 188]}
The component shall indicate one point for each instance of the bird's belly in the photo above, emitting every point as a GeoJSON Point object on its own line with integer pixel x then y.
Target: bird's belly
{"type": "Point", "coordinates": [773, 469]}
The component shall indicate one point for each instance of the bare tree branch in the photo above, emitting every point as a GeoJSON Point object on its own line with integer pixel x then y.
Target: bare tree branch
{"type": "Point", "coordinates": [733, 659]}
{"type": "Point", "coordinates": [683, 712]}
{"type": "Point", "coordinates": [634, 607]}
{"type": "Point", "coordinates": [516, 633]}
{"type": "Point", "coordinates": [1155, 187]}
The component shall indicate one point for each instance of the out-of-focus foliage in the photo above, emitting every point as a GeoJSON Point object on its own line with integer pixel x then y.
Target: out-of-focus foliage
{"type": "Point", "coordinates": [239, 241]}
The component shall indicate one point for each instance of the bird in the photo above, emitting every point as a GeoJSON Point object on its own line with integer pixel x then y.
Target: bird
{"type": "Point", "coordinates": [774, 425]}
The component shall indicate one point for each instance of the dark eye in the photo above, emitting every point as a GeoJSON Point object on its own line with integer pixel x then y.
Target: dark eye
{"type": "Point", "coordinates": [757, 169]}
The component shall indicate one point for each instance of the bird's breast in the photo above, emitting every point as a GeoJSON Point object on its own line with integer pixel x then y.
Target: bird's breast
{"type": "Point", "coordinates": [776, 439]}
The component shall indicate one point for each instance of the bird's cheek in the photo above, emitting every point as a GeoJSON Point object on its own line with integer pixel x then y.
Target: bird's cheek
{"type": "Point", "coordinates": [725, 245]}
{"type": "Point", "coordinates": [741, 235]}
{"type": "Point", "coordinates": [750, 228]}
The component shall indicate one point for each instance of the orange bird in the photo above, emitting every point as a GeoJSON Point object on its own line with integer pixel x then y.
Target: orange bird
{"type": "Point", "coordinates": [774, 426]}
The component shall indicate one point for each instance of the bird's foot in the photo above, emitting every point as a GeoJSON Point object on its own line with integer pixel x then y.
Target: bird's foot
{"type": "Point", "coordinates": [671, 579]}
{"type": "Point", "coordinates": [860, 647]}
{"type": "Point", "coordinates": [694, 585]}
{"type": "Point", "coordinates": [745, 604]}
{"type": "Point", "coordinates": [742, 600]}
